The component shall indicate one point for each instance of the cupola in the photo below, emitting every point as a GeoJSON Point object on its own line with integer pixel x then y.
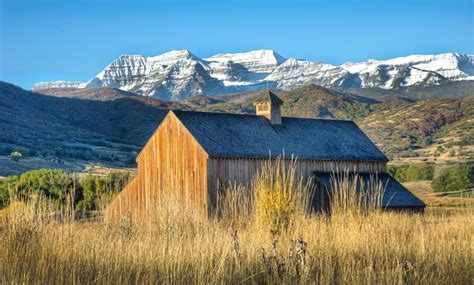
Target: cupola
{"type": "Point", "coordinates": [268, 105]}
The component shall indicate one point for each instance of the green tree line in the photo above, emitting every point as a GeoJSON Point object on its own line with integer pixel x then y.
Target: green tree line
{"type": "Point", "coordinates": [452, 177]}
{"type": "Point", "coordinates": [455, 177]}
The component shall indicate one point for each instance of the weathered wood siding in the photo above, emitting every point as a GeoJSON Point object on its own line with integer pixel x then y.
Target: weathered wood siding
{"type": "Point", "coordinates": [225, 171]}
{"type": "Point", "coordinates": [171, 163]}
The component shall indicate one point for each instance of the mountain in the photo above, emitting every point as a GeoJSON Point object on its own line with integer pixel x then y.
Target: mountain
{"type": "Point", "coordinates": [177, 75]}
{"type": "Point", "coordinates": [59, 84]}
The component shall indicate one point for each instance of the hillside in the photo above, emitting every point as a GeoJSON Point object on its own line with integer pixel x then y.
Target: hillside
{"type": "Point", "coordinates": [100, 94]}
{"type": "Point", "coordinates": [428, 130]}
{"type": "Point", "coordinates": [64, 132]}
{"type": "Point", "coordinates": [62, 128]}
{"type": "Point", "coordinates": [444, 90]}
{"type": "Point", "coordinates": [310, 101]}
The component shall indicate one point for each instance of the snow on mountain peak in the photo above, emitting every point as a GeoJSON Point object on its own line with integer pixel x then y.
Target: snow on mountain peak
{"type": "Point", "coordinates": [263, 56]}
{"type": "Point", "coordinates": [59, 84]}
{"type": "Point", "coordinates": [179, 73]}
{"type": "Point", "coordinates": [174, 55]}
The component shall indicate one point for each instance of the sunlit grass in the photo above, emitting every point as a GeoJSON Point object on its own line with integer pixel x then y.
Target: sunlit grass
{"type": "Point", "coordinates": [240, 245]}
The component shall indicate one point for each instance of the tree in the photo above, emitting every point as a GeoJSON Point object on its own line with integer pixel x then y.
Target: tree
{"type": "Point", "coordinates": [419, 171]}
{"type": "Point", "coordinates": [398, 172]}
{"type": "Point", "coordinates": [454, 178]}
{"type": "Point", "coordinates": [52, 183]}
{"type": "Point", "coordinates": [98, 190]}
{"type": "Point", "coordinates": [16, 155]}
{"type": "Point", "coordinates": [412, 172]}
{"type": "Point", "coordinates": [89, 194]}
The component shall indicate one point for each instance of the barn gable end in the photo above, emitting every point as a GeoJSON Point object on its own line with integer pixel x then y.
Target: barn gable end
{"type": "Point", "coordinates": [171, 163]}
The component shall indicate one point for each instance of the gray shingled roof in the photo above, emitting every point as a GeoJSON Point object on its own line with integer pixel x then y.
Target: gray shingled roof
{"type": "Point", "coordinates": [394, 194]}
{"type": "Point", "coordinates": [231, 135]}
{"type": "Point", "coordinates": [268, 95]}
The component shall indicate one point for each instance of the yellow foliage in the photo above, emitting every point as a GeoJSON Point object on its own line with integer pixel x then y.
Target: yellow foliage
{"type": "Point", "coordinates": [279, 194]}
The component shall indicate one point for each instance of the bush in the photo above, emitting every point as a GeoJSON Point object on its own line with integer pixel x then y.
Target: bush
{"type": "Point", "coordinates": [455, 177]}
{"type": "Point", "coordinates": [412, 172]}
{"type": "Point", "coordinates": [16, 155]}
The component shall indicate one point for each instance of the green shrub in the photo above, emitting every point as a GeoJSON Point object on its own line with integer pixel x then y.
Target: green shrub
{"type": "Point", "coordinates": [455, 177]}
{"type": "Point", "coordinates": [412, 172]}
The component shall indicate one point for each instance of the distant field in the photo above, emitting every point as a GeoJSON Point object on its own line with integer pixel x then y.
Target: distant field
{"type": "Point", "coordinates": [423, 190]}
{"type": "Point", "coordinates": [10, 167]}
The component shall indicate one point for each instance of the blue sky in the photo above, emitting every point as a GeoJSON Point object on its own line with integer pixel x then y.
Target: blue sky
{"type": "Point", "coordinates": [46, 40]}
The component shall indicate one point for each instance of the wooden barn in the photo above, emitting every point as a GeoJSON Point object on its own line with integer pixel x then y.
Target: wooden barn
{"type": "Point", "coordinates": [195, 154]}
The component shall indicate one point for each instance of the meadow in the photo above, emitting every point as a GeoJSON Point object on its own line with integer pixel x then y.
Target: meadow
{"type": "Point", "coordinates": [261, 237]}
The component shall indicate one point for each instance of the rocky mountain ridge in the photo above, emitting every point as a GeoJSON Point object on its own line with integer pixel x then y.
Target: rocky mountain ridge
{"type": "Point", "coordinates": [177, 75]}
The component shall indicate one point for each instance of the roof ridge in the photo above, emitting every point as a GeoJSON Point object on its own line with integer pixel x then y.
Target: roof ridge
{"type": "Point", "coordinates": [213, 113]}
{"type": "Point", "coordinates": [254, 115]}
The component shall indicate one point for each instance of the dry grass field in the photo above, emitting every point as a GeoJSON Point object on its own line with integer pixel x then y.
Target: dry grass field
{"type": "Point", "coordinates": [260, 238]}
{"type": "Point", "coordinates": [424, 191]}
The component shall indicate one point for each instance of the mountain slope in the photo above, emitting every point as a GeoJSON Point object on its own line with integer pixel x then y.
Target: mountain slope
{"type": "Point", "coordinates": [82, 129]}
{"type": "Point", "coordinates": [177, 75]}
{"type": "Point", "coordinates": [427, 130]}
{"type": "Point", "coordinates": [310, 101]}
{"type": "Point", "coordinates": [113, 132]}
{"type": "Point", "coordinates": [99, 94]}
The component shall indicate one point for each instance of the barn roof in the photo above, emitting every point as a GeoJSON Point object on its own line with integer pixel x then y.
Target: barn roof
{"type": "Point", "coordinates": [250, 136]}
{"type": "Point", "coordinates": [394, 194]}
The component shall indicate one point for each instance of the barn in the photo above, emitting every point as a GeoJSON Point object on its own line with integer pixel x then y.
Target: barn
{"type": "Point", "coordinates": [196, 154]}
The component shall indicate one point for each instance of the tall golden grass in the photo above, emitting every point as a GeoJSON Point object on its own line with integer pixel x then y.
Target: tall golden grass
{"type": "Point", "coordinates": [258, 238]}
{"type": "Point", "coordinates": [351, 195]}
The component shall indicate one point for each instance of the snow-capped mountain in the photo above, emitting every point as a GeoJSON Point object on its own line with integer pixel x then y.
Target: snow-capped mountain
{"type": "Point", "coordinates": [59, 84]}
{"type": "Point", "coordinates": [179, 74]}
{"type": "Point", "coordinates": [173, 75]}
